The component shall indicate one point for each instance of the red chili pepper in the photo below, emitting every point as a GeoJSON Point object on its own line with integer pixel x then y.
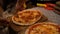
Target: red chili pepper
{"type": "Point", "coordinates": [49, 8]}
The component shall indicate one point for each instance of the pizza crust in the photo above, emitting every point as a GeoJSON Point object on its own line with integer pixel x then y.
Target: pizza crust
{"type": "Point", "coordinates": [44, 28]}
{"type": "Point", "coordinates": [27, 17]}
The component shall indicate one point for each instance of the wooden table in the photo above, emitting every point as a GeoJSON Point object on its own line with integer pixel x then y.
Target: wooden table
{"type": "Point", "coordinates": [48, 15]}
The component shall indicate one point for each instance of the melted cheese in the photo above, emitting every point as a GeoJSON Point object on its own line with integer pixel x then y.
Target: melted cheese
{"type": "Point", "coordinates": [45, 29]}
{"type": "Point", "coordinates": [28, 16]}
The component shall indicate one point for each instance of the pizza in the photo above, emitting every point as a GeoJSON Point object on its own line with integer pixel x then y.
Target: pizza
{"type": "Point", "coordinates": [27, 17]}
{"type": "Point", "coordinates": [43, 28]}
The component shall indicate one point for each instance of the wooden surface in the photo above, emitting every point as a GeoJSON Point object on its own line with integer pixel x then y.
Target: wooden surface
{"type": "Point", "coordinates": [21, 29]}
{"type": "Point", "coordinates": [48, 15]}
